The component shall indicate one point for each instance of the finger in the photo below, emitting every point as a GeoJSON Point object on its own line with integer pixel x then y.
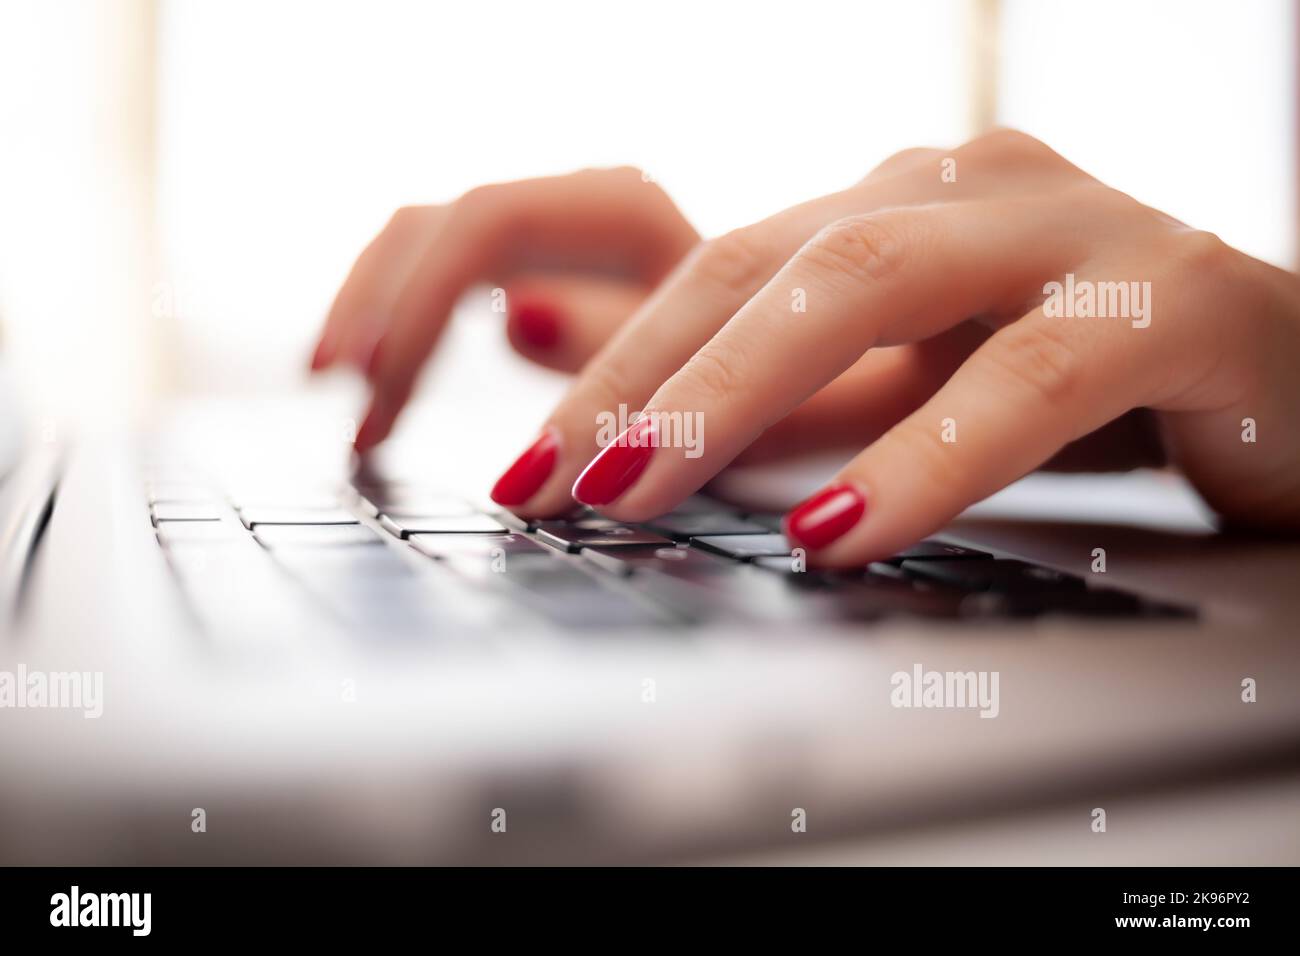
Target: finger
{"type": "Point", "coordinates": [356, 319]}
{"type": "Point", "coordinates": [561, 321]}
{"type": "Point", "coordinates": [905, 161]}
{"type": "Point", "coordinates": [1030, 390]}
{"type": "Point", "coordinates": [886, 278]}
{"type": "Point", "coordinates": [599, 219]}
{"type": "Point", "coordinates": [715, 280]}
{"type": "Point", "coordinates": [878, 391]}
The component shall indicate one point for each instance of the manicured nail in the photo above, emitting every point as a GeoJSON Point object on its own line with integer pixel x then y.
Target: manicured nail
{"type": "Point", "coordinates": [369, 361]}
{"type": "Point", "coordinates": [537, 324]}
{"type": "Point", "coordinates": [615, 469]}
{"type": "Point", "coordinates": [526, 476]}
{"type": "Point", "coordinates": [825, 516]}
{"type": "Point", "coordinates": [324, 353]}
{"type": "Point", "coordinates": [368, 435]}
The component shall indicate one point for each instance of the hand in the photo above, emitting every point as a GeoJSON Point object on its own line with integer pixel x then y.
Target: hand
{"type": "Point", "coordinates": [575, 254]}
{"type": "Point", "coordinates": [931, 330]}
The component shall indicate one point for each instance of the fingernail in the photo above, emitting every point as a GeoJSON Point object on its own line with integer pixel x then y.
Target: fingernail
{"type": "Point", "coordinates": [615, 469]}
{"type": "Point", "coordinates": [526, 476]}
{"type": "Point", "coordinates": [324, 352]}
{"type": "Point", "coordinates": [370, 361]}
{"type": "Point", "coordinates": [537, 324]}
{"type": "Point", "coordinates": [825, 516]}
{"type": "Point", "coordinates": [367, 435]}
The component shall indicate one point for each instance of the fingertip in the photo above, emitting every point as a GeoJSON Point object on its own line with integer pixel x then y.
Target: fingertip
{"type": "Point", "coordinates": [535, 324]}
{"type": "Point", "coordinates": [373, 430]}
{"type": "Point", "coordinates": [324, 353]}
{"type": "Point", "coordinates": [825, 517]}
{"type": "Point", "coordinates": [524, 479]}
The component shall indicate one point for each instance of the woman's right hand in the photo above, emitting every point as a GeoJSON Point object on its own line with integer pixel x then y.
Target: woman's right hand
{"type": "Point", "coordinates": [575, 254]}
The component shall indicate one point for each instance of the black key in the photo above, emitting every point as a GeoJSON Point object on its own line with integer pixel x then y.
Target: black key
{"type": "Point", "coordinates": [701, 505]}
{"type": "Point", "coordinates": [743, 547]}
{"type": "Point", "coordinates": [254, 516]}
{"type": "Point", "coordinates": [315, 535]}
{"type": "Point", "coordinates": [485, 546]}
{"type": "Point", "coordinates": [684, 526]}
{"type": "Point", "coordinates": [937, 550]}
{"type": "Point", "coordinates": [687, 563]}
{"type": "Point", "coordinates": [570, 597]}
{"type": "Point", "coordinates": [185, 511]}
{"type": "Point", "coordinates": [995, 575]}
{"type": "Point", "coordinates": [595, 533]}
{"type": "Point", "coordinates": [408, 525]}
{"type": "Point", "coordinates": [768, 522]}
{"type": "Point", "coordinates": [863, 595]}
{"type": "Point", "coordinates": [514, 522]}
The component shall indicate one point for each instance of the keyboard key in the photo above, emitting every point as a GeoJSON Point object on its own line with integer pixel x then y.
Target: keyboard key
{"type": "Point", "coordinates": [295, 499]}
{"type": "Point", "coordinates": [595, 533]}
{"type": "Point", "coordinates": [995, 575]}
{"type": "Point", "coordinates": [416, 505]}
{"type": "Point", "coordinates": [769, 521]}
{"type": "Point", "coordinates": [172, 533]}
{"type": "Point", "coordinates": [186, 511]}
{"type": "Point", "coordinates": [933, 549]}
{"type": "Point", "coordinates": [743, 547]}
{"type": "Point", "coordinates": [408, 525]}
{"type": "Point", "coordinates": [173, 491]}
{"type": "Point", "coordinates": [688, 563]}
{"type": "Point", "coordinates": [685, 526]}
{"type": "Point", "coordinates": [484, 546]}
{"type": "Point", "coordinates": [567, 596]}
{"type": "Point", "coordinates": [513, 521]}
{"type": "Point", "coordinates": [252, 517]}
{"type": "Point", "coordinates": [315, 536]}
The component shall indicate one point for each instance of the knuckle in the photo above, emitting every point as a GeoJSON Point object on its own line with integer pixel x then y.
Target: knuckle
{"type": "Point", "coordinates": [1041, 359]}
{"type": "Point", "coordinates": [930, 458]}
{"type": "Point", "coordinates": [711, 376]}
{"type": "Point", "coordinates": [403, 218]}
{"type": "Point", "coordinates": [1204, 252]}
{"type": "Point", "coordinates": [474, 201]}
{"type": "Point", "coordinates": [1010, 147]}
{"type": "Point", "coordinates": [859, 247]}
{"type": "Point", "coordinates": [903, 160]}
{"type": "Point", "coordinates": [736, 260]}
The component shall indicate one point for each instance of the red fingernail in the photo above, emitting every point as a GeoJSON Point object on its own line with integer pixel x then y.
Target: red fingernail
{"type": "Point", "coordinates": [529, 472]}
{"type": "Point", "coordinates": [324, 352]}
{"type": "Point", "coordinates": [367, 435]}
{"type": "Point", "coordinates": [614, 470]}
{"type": "Point", "coordinates": [370, 361]}
{"type": "Point", "coordinates": [825, 516]}
{"type": "Point", "coordinates": [536, 324]}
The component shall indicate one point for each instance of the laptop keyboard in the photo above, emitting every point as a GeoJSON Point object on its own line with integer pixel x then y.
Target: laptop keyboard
{"type": "Point", "coordinates": [403, 559]}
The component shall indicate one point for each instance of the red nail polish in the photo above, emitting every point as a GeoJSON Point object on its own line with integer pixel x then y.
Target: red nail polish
{"type": "Point", "coordinates": [536, 324]}
{"type": "Point", "coordinates": [369, 356]}
{"type": "Point", "coordinates": [621, 462]}
{"type": "Point", "coordinates": [529, 472]}
{"type": "Point", "coordinates": [324, 352]}
{"type": "Point", "coordinates": [825, 516]}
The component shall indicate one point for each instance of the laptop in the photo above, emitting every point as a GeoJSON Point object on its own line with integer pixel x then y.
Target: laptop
{"type": "Point", "coordinates": [225, 641]}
